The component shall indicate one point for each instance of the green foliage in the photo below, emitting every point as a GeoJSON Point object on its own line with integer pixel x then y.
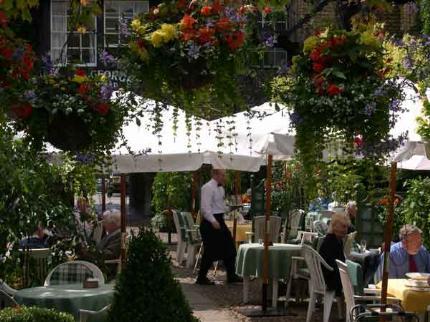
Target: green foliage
{"type": "Point", "coordinates": [425, 16]}
{"type": "Point", "coordinates": [146, 289]}
{"type": "Point", "coordinates": [171, 190]}
{"type": "Point", "coordinates": [34, 314]}
{"type": "Point", "coordinates": [415, 207]}
{"type": "Point", "coordinates": [18, 8]}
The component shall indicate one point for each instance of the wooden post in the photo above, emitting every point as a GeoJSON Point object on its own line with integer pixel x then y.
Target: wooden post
{"type": "Point", "coordinates": [388, 233]}
{"type": "Point", "coordinates": [123, 220]}
{"type": "Point", "coordinates": [103, 194]}
{"type": "Point", "coordinates": [267, 211]}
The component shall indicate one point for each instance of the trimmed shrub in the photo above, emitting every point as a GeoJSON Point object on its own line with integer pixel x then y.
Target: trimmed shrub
{"type": "Point", "coordinates": [146, 289]}
{"type": "Point", "coordinates": [33, 314]}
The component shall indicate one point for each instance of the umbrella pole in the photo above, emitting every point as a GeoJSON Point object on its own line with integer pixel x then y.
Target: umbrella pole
{"type": "Point", "coordinates": [123, 220]}
{"type": "Point", "coordinates": [266, 232]}
{"type": "Point", "coordinates": [388, 232]}
{"type": "Point", "coordinates": [237, 202]}
{"type": "Point", "coordinates": [103, 194]}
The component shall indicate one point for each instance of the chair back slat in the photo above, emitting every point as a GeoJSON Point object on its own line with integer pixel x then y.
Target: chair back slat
{"type": "Point", "coordinates": [74, 272]}
{"type": "Point", "coordinates": [98, 232]}
{"type": "Point", "coordinates": [273, 228]}
{"type": "Point", "coordinates": [192, 232]}
{"type": "Point", "coordinates": [347, 288]}
{"type": "Point", "coordinates": [313, 261]}
{"type": "Point", "coordinates": [355, 273]}
{"type": "Point", "coordinates": [180, 226]}
{"type": "Point", "coordinates": [292, 226]}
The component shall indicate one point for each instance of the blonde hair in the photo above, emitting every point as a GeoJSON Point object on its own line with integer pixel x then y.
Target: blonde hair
{"type": "Point", "coordinates": [337, 218]}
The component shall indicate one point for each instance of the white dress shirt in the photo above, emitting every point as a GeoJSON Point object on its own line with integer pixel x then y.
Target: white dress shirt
{"type": "Point", "coordinates": [212, 200]}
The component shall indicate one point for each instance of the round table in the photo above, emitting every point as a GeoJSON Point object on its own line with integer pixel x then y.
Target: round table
{"type": "Point", "coordinates": [249, 262]}
{"type": "Point", "coordinates": [67, 297]}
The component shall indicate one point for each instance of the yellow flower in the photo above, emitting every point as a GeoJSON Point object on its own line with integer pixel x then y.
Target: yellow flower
{"type": "Point", "coordinates": [79, 79]}
{"type": "Point", "coordinates": [157, 38]}
{"type": "Point", "coordinates": [367, 38]}
{"type": "Point", "coordinates": [103, 78]}
{"type": "Point", "coordinates": [136, 25]}
{"type": "Point", "coordinates": [81, 29]}
{"type": "Point", "coordinates": [310, 43]}
{"type": "Point", "coordinates": [169, 31]}
{"type": "Point", "coordinates": [139, 50]}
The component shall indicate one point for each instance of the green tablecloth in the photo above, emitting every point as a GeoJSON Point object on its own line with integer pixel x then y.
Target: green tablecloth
{"type": "Point", "coordinates": [67, 298]}
{"type": "Point", "coordinates": [249, 260]}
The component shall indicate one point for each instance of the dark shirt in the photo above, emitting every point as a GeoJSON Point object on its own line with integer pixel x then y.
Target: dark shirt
{"type": "Point", "coordinates": [332, 249]}
{"type": "Point", "coordinates": [34, 242]}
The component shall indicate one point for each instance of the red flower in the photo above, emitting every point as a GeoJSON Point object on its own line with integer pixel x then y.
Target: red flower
{"type": "Point", "coordinates": [315, 54]}
{"type": "Point", "coordinates": [318, 81]}
{"type": "Point", "coordinates": [6, 53]}
{"type": "Point", "coordinates": [83, 89]}
{"type": "Point", "coordinates": [216, 7]}
{"type": "Point", "coordinates": [333, 90]}
{"type": "Point", "coordinates": [22, 110]}
{"type": "Point", "coordinates": [337, 41]}
{"type": "Point", "coordinates": [224, 24]}
{"type": "Point", "coordinates": [206, 11]}
{"type": "Point", "coordinates": [181, 4]}
{"type": "Point", "coordinates": [358, 141]}
{"type": "Point", "coordinates": [3, 19]}
{"type": "Point", "coordinates": [189, 34]}
{"type": "Point", "coordinates": [317, 67]}
{"type": "Point", "coordinates": [80, 72]}
{"type": "Point", "coordinates": [102, 108]}
{"type": "Point", "coordinates": [267, 10]}
{"type": "Point", "coordinates": [235, 40]}
{"type": "Point", "coordinates": [187, 22]}
{"type": "Point", "coordinates": [206, 35]}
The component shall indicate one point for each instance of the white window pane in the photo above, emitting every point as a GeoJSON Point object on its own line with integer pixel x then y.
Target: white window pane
{"type": "Point", "coordinates": [111, 25]}
{"type": "Point", "coordinates": [58, 40]}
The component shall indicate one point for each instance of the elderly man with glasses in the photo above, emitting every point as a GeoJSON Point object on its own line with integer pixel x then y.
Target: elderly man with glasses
{"type": "Point", "coordinates": [408, 255]}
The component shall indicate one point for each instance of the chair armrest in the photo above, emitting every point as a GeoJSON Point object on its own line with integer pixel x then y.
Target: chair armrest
{"type": "Point", "coordinates": [297, 258]}
{"type": "Point", "coordinates": [373, 298]}
{"type": "Point", "coordinates": [372, 291]}
{"type": "Point", "coordinates": [112, 261]}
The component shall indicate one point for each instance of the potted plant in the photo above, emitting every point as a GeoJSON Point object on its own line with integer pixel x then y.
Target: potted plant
{"type": "Point", "coordinates": [72, 110]}
{"type": "Point", "coordinates": [338, 91]}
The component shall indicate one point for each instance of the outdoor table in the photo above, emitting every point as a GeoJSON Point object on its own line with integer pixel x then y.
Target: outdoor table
{"type": "Point", "coordinates": [241, 230]}
{"type": "Point", "coordinates": [67, 297]}
{"type": "Point", "coordinates": [249, 262]}
{"type": "Point", "coordinates": [411, 300]}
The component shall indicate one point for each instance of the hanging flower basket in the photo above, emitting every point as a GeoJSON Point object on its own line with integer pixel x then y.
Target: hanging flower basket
{"type": "Point", "coordinates": [338, 90]}
{"type": "Point", "coordinates": [71, 110]}
{"type": "Point", "coordinates": [182, 48]}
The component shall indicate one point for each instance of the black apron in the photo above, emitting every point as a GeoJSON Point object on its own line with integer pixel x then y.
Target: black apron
{"type": "Point", "coordinates": [218, 243]}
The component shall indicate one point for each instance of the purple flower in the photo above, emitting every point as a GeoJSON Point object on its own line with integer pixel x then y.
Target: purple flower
{"type": "Point", "coordinates": [380, 91]}
{"type": "Point", "coordinates": [84, 158]}
{"type": "Point", "coordinates": [17, 55]}
{"type": "Point", "coordinates": [283, 68]}
{"type": "Point", "coordinates": [231, 13]}
{"type": "Point", "coordinates": [394, 105]}
{"type": "Point", "coordinates": [106, 92]}
{"type": "Point", "coordinates": [193, 51]}
{"type": "Point", "coordinates": [47, 65]}
{"type": "Point", "coordinates": [407, 63]}
{"type": "Point", "coordinates": [30, 96]}
{"type": "Point", "coordinates": [107, 59]}
{"type": "Point", "coordinates": [370, 108]}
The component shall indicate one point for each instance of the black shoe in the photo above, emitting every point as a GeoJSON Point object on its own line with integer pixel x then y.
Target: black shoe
{"type": "Point", "coordinates": [235, 279]}
{"type": "Point", "coordinates": [204, 281]}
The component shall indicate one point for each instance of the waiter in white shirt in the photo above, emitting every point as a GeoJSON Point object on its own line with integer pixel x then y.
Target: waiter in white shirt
{"type": "Point", "coordinates": [217, 240]}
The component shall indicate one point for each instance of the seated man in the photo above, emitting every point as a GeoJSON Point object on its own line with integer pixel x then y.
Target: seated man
{"type": "Point", "coordinates": [332, 249]}
{"type": "Point", "coordinates": [110, 244]}
{"type": "Point", "coordinates": [408, 255]}
{"type": "Point", "coordinates": [40, 239]}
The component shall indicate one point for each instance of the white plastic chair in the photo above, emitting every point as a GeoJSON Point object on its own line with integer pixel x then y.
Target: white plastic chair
{"type": "Point", "coordinates": [320, 227]}
{"type": "Point", "coordinates": [7, 289]}
{"type": "Point", "coordinates": [73, 272]}
{"type": "Point", "coordinates": [348, 291]}
{"type": "Point", "coordinates": [181, 237]}
{"type": "Point", "coordinates": [84, 315]}
{"type": "Point", "coordinates": [292, 225]}
{"type": "Point", "coordinates": [274, 228]}
{"type": "Point", "coordinates": [317, 283]}
{"type": "Point", "coordinates": [6, 300]}
{"type": "Point", "coordinates": [194, 239]}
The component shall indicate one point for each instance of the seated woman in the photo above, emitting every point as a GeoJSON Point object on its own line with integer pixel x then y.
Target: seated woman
{"type": "Point", "coordinates": [332, 249]}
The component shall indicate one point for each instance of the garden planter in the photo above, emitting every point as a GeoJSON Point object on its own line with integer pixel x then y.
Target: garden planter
{"type": "Point", "coordinates": [193, 76]}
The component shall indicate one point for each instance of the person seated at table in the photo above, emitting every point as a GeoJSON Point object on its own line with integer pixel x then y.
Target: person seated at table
{"type": "Point", "coordinates": [40, 239]}
{"type": "Point", "coordinates": [351, 212]}
{"type": "Point", "coordinates": [408, 255]}
{"type": "Point", "coordinates": [332, 249]}
{"type": "Point", "coordinates": [246, 197]}
{"type": "Point", "coordinates": [110, 244]}
{"type": "Point", "coordinates": [319, 203]}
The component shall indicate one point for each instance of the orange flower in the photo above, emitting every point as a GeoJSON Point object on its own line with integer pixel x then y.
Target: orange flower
{"type": "Point", "coordinates": [206, 35]}
{"type": "Point", "coordinates": [224, 24]}
{"type": "Point", "coordinates": [206, 11]}
{"type": "Point", "coordinates": [187, 22]}
{"type": "Point", "coordinates": [83, 89]}
{"type": "Point", "coordinates": [189, 34]}
{"type": "Point", "coordinates": [267, 10]}
{"type": "Point", "coordinates": [333, 90]}
{"type": "Point", "coordinates": [181, 4]}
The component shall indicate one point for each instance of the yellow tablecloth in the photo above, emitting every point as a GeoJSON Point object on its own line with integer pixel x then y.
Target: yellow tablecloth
{"type": "Point", "coordinates": [412, 301]}
{"type": "Point", "coordinates": [241, 231]}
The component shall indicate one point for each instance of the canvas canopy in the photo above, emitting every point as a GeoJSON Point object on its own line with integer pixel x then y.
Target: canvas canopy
{"type": "Point", "coordinates": [237, 143]}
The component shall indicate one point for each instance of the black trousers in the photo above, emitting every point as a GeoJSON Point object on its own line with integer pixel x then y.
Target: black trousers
{"type": "Point", "coordinates": [218, 244]}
